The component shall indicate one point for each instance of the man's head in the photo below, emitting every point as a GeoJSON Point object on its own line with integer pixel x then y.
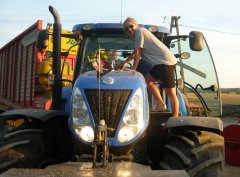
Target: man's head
{"type": "Point", "coordinates": [130, 25]}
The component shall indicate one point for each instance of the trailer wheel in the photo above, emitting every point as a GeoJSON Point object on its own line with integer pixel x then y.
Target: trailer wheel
{"type": "Point", "coordinates": [26, 143]}
{"type": "Point", "coordinates": [200, 153]}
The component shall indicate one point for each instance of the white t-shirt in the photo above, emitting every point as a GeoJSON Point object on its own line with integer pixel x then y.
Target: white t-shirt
{"type": "Point", "coordinates": [153, 50]}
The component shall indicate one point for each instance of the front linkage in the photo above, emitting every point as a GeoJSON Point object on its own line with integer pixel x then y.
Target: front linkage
{"type": "Point", "coordinates": [100, 144]}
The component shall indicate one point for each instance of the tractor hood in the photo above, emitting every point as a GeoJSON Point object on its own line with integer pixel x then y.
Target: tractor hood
{"type": "Point", "coordinates": [112, 80]}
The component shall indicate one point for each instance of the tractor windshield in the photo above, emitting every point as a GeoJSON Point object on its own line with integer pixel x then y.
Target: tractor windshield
{"type": "Point", "coordinates": [199, 78]}
{"type": "Point", "coordinates": [112, 50]}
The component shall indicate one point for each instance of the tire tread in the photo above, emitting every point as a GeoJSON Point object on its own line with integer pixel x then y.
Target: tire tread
{"type": "Point", "coordinates": [197, 152]}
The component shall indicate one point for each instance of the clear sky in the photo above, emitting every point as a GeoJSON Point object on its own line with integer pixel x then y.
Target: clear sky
{"type": "Point", "coordinates": [217, 19]}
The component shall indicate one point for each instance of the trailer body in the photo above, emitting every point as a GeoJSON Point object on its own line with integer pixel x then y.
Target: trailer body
{"type": "Point", "coordinates": [22, 70]}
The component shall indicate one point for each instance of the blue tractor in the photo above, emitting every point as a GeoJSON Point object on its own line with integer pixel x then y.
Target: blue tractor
{"type": "Point", "coordinates": [106, 115]}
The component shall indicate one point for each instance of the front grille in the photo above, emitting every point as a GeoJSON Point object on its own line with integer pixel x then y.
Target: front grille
{"type": "Point", "coordinates": [112, 104]}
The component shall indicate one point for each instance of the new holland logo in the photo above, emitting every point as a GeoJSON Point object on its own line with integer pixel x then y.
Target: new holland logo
{"type": "Point", "coordinates": [108, 80]}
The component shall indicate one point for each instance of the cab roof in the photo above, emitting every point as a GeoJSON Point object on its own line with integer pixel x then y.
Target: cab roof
{"type": "Point", "coordinates": [114, 28]}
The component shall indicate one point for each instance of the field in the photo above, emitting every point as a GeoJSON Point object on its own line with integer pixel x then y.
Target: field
{"type": "Point", "coordinates": [231, 104]}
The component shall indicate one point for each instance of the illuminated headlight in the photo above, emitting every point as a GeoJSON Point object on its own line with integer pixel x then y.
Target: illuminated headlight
{"type": "Point", "coordinates": [132, 122]}
{"type": "Point", "coordinates": [86, 133]}
{"type": "Point", "coordinates": [80, 117]}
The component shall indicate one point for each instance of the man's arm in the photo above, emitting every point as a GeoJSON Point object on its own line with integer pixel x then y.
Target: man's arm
{"type": "Point", "coordinates": [121, 65]}
{"type": "Point", "coordinates": [137, 56]}
{"type": "Point", "coordinates": [129, 58]}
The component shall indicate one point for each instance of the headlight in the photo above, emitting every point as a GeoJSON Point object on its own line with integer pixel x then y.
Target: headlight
{"type": "Point", "coordinates": [80, 117]}
{"type": "Point", "coordinates": [132, 122]}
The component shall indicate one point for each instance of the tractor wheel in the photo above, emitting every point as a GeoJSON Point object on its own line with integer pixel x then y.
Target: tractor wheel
{"type": "Point", "coordinates": [26, 143]}
{"type": "Point", "coordinates": [200, 153]}
{"type": "Point", "coordinates": [139, 152]}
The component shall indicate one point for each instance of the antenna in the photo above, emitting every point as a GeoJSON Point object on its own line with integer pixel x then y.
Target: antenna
{"type": "Point", "coordinates": [121, 11]}
{"type": "Point", "coordinates": [99, 82]}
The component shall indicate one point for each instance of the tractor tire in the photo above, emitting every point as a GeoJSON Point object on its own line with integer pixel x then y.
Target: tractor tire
{"type": "Point", "coordinates": [200, 153]}
{"type": "Point", "coordinates": [27, 143]}
{"type": "Point", "coordinates": [139, 152]}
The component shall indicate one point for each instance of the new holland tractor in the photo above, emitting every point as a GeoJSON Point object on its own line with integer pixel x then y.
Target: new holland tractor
{"type": "Point", "coordinates": [106, 116]}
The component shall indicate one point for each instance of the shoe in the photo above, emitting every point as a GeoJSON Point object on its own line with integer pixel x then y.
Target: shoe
{"type": "Point", "coordinates": [160, 109]}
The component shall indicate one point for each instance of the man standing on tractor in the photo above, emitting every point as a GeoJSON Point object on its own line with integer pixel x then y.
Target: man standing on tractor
{"type": "Point", "coordinates": [153, 52]}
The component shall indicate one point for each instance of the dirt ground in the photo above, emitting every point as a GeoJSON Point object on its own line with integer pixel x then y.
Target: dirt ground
{"type": "Point", "coordinates": [231, 171]}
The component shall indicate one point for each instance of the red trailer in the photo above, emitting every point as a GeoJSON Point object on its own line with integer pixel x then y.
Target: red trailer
{"type": "Point", "coordinates": [19, 77]}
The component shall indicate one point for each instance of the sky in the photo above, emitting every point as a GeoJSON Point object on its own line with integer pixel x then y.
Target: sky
{"type": "Point", "coordinates": [217, 19]}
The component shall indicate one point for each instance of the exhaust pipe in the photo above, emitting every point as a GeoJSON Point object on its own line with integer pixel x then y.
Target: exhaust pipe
{"type": "Point", "coordinates": [57, 86]}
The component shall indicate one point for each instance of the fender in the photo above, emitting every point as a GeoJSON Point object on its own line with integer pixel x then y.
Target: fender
{"type": "Point", "coordinates": [42, 115]}
{"type": "Point", "coordinates": [211, 124]}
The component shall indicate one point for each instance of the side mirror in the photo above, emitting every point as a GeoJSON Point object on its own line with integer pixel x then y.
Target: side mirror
{"type": "Point", "coordinates": [42, 39]}
{"type": "Point", "coordinates": [196, 41]}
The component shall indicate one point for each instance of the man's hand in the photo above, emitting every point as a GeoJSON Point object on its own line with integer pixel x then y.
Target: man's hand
{"type": "Point", "coordinates": [127, 69]}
